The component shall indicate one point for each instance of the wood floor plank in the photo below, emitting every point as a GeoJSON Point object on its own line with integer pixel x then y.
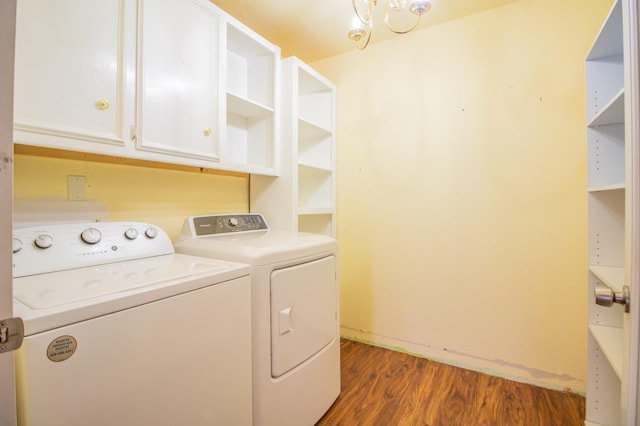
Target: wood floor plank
{"type": "Point", "coordinates": [381, 387]}
{"type": "Point", "coordinates": [413, 412]}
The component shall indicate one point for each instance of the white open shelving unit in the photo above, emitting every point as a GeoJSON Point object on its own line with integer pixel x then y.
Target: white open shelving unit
{"type": "Point", "coordinates": [252, 83]}
{"type": "Point", "coordinates": [608, 197]}
{"type": "Point", "coordinates": [303, 197]}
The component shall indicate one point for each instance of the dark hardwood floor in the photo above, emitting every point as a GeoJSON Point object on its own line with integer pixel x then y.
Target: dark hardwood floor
{"type": "Point", "coordinates": [388, 388]}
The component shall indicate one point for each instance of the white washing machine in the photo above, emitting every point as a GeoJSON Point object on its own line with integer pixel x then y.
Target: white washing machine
{"type": "Point", "coordinates": [296, 344]}
{"type": "Point", "coordinates": [119, 330]}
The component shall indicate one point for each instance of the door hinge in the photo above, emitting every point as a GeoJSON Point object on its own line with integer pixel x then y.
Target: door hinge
{"type": "Point", "coordinates": [11, 334]}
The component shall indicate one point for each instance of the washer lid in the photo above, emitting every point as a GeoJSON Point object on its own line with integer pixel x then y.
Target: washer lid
{"type": "Point", "coordinates": [59, 288]}
{"type": "Point", "coordinates": [50, 300]}
{"type": "Point", "coordinates": [257, 248]}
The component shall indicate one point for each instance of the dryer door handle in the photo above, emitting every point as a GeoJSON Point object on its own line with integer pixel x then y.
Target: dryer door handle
{"type": "Point", "coordinates": [286, 320]}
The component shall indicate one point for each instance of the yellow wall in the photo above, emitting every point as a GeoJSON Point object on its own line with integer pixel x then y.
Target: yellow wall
{"type": "Point", "coordinates": [461, 190]}
{"type": "Point", "coordinates": [121, 190]}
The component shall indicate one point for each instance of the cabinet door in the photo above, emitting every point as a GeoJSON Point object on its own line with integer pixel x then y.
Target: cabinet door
{"type": "Point", "coordinates": [70, 72]}
{"type": "Point", "coordinates": [178, 61]}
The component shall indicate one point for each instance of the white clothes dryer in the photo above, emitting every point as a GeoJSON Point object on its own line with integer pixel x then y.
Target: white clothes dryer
{"type": "Point", "coordinates": [296, 344]}
{"type": "Point", "coordinates": [120, 330]}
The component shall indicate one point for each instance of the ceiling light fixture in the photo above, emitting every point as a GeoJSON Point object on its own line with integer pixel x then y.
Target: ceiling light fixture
{"type": "Point", "coordinates": [363, 21]}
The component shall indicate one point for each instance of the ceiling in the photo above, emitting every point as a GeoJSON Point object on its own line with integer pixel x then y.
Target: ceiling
{"type": "Point", "coordinates": [316, 29]}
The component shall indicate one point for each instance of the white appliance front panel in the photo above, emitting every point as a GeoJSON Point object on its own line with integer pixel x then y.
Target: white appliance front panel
{"type": "Point", "coordinates": [303, 312]}
{"type": "Point", "coordinates": [180, 360]}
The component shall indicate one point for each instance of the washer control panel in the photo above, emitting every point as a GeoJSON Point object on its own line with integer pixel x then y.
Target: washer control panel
{"type": "Point", "coordinates": [58, 247]}
{"type": "Point", "coordinates": [199, 226]}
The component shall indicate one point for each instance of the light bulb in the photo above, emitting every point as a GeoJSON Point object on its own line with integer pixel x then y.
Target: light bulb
{"type": "Point", "coordinates": [356, 23]}
{"type": "Point", "coordinates": [418, 7]}
{"type": "Point", "coordinates": [358, 31]}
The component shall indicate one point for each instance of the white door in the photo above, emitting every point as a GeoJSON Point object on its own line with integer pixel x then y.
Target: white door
{"type": "Point", "coordinates": [7, 45]}
{"type": "Point", "coordinates": [613, 73]}
{"type": "Point", "coordinates": [303, 312]}
{"type": "Point", "coordinates": [631, 378]}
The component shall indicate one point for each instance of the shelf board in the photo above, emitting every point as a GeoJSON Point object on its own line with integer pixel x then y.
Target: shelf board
{"type": "Point", "coordinates": [310, 81]}
{"type": "Point", "coordinates": [611, 341]}
{"type": "Point", "coordinates": [249, 168]}
{"type": "Point", "coordinates": [611, 113]}
{"type": "Point", "coordinates": [245, 107]}
{"type": "Point", "coordinates": [609, 39]}
{"type": "Point", "coordinates": [306, 211]}
{"type": "Point", "coordinates": [314, 168]}
{"type": "Point", "coordinates": [613, 276]}
{"type": "Point", "coordinates": [239, 41]}
{"type": "Point", "coordinates": [612, 187]}
{"type": "Point", "coordinates": [308, 129]}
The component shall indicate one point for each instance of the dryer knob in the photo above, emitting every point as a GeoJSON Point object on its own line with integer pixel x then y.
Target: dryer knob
{"type": "Point", "coordinates": [233, 222]}
{"type": "Point", "coordinates": [43, 241]}
{"type": "Point", "coordinates": [16, 245]}
{"type": "Point", "coordinates": [91, 236]}
{"type": "Point", "coordinates": [151, 232]}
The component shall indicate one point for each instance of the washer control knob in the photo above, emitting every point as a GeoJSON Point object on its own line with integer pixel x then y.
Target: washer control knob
{"type": "Point", "coordinates": [16, 245]}
{"type": "Point", "coordinates": [131, 233]}
{"type": "Point", "coordinates": [43, 241]}
{"type": "Point", "coordinates": [91, 236]}
{"type": "Point", "coordinates": [233, 222]}
{"type": "Point", "coordinates": [151, 232]}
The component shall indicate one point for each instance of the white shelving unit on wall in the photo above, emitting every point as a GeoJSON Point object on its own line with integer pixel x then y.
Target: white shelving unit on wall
{"type": "Point", "coordinates": [611, 120]}
{"type": "Point", "coordinates": [252, 79]}
{"type": "Point", "coordinates": [303, 197]}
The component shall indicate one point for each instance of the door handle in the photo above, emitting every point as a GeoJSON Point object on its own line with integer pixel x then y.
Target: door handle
{"type": "Point", "coordinates": [286, 322]}
{"type": "Point", "coordinates": [605, 296]}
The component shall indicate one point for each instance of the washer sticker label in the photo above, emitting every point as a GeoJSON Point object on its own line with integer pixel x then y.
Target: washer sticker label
{"type": "Point", "coordinates": [61, 348]}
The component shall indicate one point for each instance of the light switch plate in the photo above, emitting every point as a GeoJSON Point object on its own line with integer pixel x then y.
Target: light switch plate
{"type": "Point", "coordinates": [77, 188]}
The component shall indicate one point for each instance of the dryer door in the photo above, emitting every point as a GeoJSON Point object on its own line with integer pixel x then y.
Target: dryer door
{"type": "Point", "coordinates": [303, 312]}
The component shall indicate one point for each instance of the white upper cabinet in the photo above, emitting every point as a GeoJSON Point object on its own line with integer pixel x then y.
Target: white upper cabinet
{"type": "Point", "coordinates": [178, 78]}
{"type": "Point", "coordinates": [174, 81]}
{"type": "Point", "coordinates": [73, 73]}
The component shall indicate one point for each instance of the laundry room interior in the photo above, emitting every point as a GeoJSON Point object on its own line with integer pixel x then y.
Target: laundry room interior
{"type": "Point", "coordinates": [459, 193]}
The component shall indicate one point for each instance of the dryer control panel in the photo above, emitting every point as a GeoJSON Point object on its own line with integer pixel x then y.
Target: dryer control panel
{"type": "Point", "coordinates": [200, 226]}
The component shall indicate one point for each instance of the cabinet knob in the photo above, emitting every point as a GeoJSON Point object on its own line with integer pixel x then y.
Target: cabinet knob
{"type": "Point", "coordinates": [102, 104]}
{"type": "Point", "coordinates": [207, 131]}
{"type": "Point", "coordinates": [605, 296]}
